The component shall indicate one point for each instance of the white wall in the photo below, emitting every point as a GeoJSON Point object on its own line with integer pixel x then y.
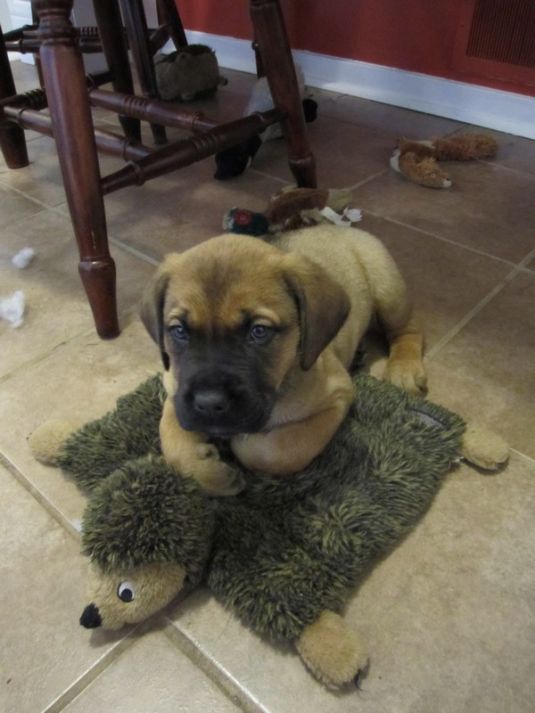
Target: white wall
{"type": "Point", "coordinates": [5, 16]}
{"type": "Point", "coordinates": [85, 16]}
{"type": "Point", "coordinates": [20, 13]}
{"type": "Point", "coordinates": [14, 13]}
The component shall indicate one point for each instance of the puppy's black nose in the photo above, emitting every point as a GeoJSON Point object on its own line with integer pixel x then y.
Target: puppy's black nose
{"type": "Point", "coordinates": [211, 402]}
{"type": "Point", "coordinates": [91, 618]}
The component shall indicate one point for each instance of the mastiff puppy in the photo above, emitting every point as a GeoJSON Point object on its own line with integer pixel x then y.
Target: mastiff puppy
{"type": "Point", "coordinates": [257, 338]}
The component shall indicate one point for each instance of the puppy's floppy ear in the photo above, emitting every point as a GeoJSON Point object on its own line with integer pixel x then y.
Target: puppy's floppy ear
{"type": "Point", "coordinates": [151, 309]}
{"type": "Point", "coordinates": [322, 303]}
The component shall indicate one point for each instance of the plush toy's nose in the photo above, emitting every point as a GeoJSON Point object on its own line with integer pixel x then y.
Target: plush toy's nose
{"type": "Point", "coordinates": [91, 618]}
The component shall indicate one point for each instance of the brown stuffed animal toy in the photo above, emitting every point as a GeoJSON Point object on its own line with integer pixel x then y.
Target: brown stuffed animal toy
{"type": "Point", "coordinates": [293, 208]}
{"type": "Point", "coordinates": [418, 160]}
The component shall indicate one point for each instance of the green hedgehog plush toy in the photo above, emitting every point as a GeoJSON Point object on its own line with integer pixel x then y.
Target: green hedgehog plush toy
{"type": "Point", "coordinates": [285, 552]}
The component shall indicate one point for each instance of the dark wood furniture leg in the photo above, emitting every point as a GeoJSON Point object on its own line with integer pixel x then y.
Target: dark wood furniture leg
{"type": "Point", "coordinates": [258, 60]}
{"type": "Point", "coordinates": [138, 37]}
{"type": "Point", "coordinates": [168, 15]}
{"type": "Point", "coordinates": [270, 35]}
{"type": "Point", "coordinates": [65, 85]}
{"type": "Point", "coordinates": [110, 28]}
{"type": "Point", "coordinates": [12, 140]}
{"type": "Point", "coordinates": [35, 21]}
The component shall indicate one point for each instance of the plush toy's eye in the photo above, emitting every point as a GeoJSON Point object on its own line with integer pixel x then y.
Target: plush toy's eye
{"type": "Point", "coordinates": [125, 591]}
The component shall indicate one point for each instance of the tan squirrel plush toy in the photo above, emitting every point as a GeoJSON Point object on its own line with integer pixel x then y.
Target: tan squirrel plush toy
{"type": "Point", "coordinates": [418, 160]}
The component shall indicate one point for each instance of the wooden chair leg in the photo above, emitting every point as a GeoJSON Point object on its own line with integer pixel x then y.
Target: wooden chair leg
{"type": "Point", "coordinates": [258, 60]}
{"type": "Point", "coordinates": [272, 40]}
{"type": "Point", "coordinates": [35, 21]}
{"type": "Point", "coordinates": [138, 37]}
{"type": "Point", "coordinates": [65, 86]}
{"type": "Point", "coordinates": [110, 28]}
{"type": "Point", "coordinates": [168, 15]}
{"type": "Point", "coordinates": [12, 140]}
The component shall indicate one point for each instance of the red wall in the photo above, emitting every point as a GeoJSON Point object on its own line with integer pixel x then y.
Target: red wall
{"type": "Point", "coordinates": [416, 35]}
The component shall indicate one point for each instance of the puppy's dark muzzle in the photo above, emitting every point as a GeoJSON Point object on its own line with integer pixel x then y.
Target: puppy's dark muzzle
{"type": "Point", "coordinates": [222, 407]}
{"type": "Point", "coordinates": [211, 403]}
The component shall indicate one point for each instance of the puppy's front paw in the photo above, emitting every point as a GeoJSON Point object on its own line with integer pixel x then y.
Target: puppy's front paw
{"type": "Point", "coordinates": [214, 475]}
{"type": "Point", "coordinates": [408, 374]}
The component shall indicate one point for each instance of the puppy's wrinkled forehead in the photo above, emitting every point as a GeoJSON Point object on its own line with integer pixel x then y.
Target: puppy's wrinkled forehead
{"type": "Point", "coordinates": [223, 289]}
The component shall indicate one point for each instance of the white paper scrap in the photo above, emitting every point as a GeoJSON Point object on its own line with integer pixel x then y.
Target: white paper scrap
{"type": "Point", "coordinates": [354, 215]}
{"type": "Point", "coordinates": [23, 258]}
{"type": "Point", "coordinates": [349, 216]}
{"type": "Point", "coordinates": [12, 308]}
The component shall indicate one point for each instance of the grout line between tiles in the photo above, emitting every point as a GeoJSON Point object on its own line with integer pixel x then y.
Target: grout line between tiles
{"type": "Point", "coordinates": [83, 681]}
{"type": "Point", "coordinates": [40, 497]}
{"type": "Point", "coordinates": [229, 685]}
{"type": "Point", "coordinates": [479, 306]}
{"type": "Point", "coordinates": [524, 456]}
{"type": "Point", "coordinates": [269, 175]}
{"type": "Point", "coordinates": [518, 171]}
{"type": "Point", "coordinates": [363, 181]}
{"type": "Point", "coordinates": [41, 357]}
{"type": "Point", "coordinates": [440, 237]}
{"type": "Point", "coordinates": [464, 321]}
{"type": "Point", "coordinates": [124, 314]}
{"type": "Point", "coordinates": [133, 251]}
{"type": "Point", "coordinates": [58, 208]}
{"type": "Point", "coordinates": [39, 202]}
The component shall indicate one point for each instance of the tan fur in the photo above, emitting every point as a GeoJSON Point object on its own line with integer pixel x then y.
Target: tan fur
{"type": "Point", "coordinates": [47, 441]}
{"type": "Point", "coordinates": [333, 653]}
{"type": "Point", "coordinates": [155, 585]}
{"type": "Point", "coordinates": [424, 171]}
{"type": "Point", "coordinates": [465, 147]}
{"type": "Point", "coordinates": [418, 160]}
{"type": "Point", "coordinates": [484, 448]}
{"type": "Point", "coordinates": [190, 454]}
{"type": "Point", "coordinates": [309, 282]}
{"type": "Point", "coordinates": [293, 208]}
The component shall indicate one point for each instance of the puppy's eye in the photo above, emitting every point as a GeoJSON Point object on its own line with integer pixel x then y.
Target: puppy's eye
{"type": "Point", "coordinates": [125, 591]}
{"type": "Point", "coordinates": [179, 332]}
{"type": "Point", "coordinates": [260, 333]}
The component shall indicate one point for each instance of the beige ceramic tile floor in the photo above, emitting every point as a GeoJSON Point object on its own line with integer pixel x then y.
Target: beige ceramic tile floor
{"type": "Point", "coordinates": [449, 615]}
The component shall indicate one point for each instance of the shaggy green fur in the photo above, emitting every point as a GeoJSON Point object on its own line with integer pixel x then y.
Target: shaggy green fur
{"type": "Point", "coordinates": [143, 513]}
{"type": "Point", "coordinates": [287, 549]}
{"type": "Point", "coordinates": [128, 432]}
{"type": "Point", "coordinates": [284, 549]}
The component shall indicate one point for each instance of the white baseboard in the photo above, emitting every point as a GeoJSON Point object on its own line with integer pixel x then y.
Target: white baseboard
{"type": "Point", "coordinates": [18, 57]}
{"type": "Point", "coordinates": [470, 103]}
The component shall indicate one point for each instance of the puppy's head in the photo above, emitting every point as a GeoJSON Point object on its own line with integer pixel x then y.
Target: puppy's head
{"type": "Point", "coordinates": [232, 316]}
